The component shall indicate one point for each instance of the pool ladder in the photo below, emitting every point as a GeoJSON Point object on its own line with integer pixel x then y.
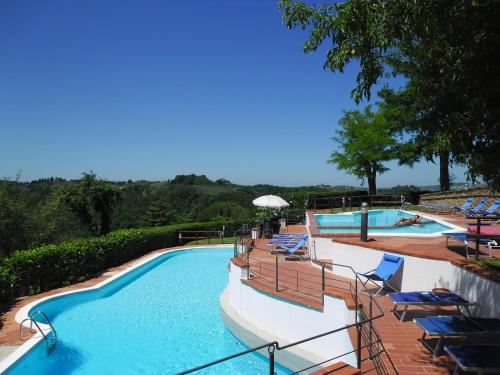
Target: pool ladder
{"type": "Point", "coordinates": [403, 206]}
{"type": "Point", "coordinates": [50, 343]}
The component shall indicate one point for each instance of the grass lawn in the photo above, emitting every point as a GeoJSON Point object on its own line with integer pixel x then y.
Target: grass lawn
{"type": "Point", "coordinates": [491, 263]}
{"type": "Point", "coordinates": [420, 209]}
{"type": "Point", "coordinates": [339, 210]}
{"type": "Point", "coordinates": [212, 241]}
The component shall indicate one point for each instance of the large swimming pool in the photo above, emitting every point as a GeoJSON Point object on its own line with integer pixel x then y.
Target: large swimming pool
{"type": "Point", "coordinates": [383, 219]}
{"type": "Point", "coordinates": [161, 318]}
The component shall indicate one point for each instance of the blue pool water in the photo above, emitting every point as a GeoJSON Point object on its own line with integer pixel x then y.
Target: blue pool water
{"type": "Point", "coordinates": [376, 218]}
{"type": "Point", "coordinates": [160, 319]}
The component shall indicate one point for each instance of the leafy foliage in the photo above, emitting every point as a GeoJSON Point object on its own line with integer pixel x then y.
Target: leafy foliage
{"type": "Point", "coordinates": [448, 51]}
{"type": "Point", "coordinates": [12, 228]}
{"type": "Point", "coordinates": [365, 143]}
{"type": "Point", "coordinates": [223, 211]}
{"type": "Point", "coordinates": [36, 213]}
{"type": "Point", "coordinates": [92, 201]}
{"type": "Point", "coordinates": [51, 266]}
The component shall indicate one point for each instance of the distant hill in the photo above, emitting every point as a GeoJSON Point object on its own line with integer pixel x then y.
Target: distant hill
{"type": "Point", "coordinates": [32, 213]}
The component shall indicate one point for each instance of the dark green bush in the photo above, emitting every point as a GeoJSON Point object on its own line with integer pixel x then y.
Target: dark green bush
{"type": "Point", "coordinates": [51, 266]}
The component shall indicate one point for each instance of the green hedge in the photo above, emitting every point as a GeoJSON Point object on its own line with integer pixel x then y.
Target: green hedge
{"type": "Point", "coordinates": [51, 266]}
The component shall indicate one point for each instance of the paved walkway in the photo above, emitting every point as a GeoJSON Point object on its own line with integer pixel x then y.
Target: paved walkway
{"type": "Point", "coordinates": [399, 338]}
{"type": "Point", "coordinates": [301, 282]}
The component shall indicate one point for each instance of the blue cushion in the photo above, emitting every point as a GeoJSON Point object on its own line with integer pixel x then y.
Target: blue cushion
{"type": "Point", "coordinates": [388, 266]}
{"type": "Point", "coordinates": [474, 357]}
{"type": "Point", "coordinates": [391, 258]}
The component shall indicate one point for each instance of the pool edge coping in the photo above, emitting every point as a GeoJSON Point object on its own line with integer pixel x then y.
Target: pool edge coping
{"type": "Point", "coordinates": [453, 227]}
{"type": "Point", "coordinates": [22, 313]}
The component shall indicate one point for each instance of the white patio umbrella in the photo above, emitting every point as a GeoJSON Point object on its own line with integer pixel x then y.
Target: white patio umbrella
{"type": "Point", "coordinates": [270, 201]}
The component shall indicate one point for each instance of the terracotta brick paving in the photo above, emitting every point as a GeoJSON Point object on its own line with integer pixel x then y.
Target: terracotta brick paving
{"type": "Point", "coordinates": [399, 338]}
{"type": "Point", "coordinates": [422, 247]}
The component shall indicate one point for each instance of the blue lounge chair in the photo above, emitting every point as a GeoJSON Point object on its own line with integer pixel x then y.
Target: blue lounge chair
{"type": "Point", "coordinates": [290, 241]}
{"type": "Point", "coordinates": [491, 210]}
{"type": "Point", "coordinates": [477, 359]}
{"type": "Point", "coordinates": [285, 235]}
{"type": "Point", "coordinates": [408, 299]}
{"type": "Point", "coordinates": [466, 238]}
{"type": "Point", "coordinates": [384, 273]}
{"type": "Point", "coordinates": [478, 208]}
{"type": "Point", "coordinates": [294, 248]}
{"type": "Point", "coordinates": [464, 207]}
{"type": "Point", "coordinates": [453, 327]}
{"type": "Point", "coordinates": [291, 249]}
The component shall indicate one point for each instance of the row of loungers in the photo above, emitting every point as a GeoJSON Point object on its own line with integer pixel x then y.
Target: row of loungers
{"type": "Point", "coordinates": [289, 242]}
{"type": "Point", "coordinates": [465, 208]}
{"type": "Point", "coordinates": [457, 335]}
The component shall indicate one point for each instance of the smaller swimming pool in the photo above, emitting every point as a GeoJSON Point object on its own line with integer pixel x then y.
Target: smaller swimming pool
{"type": "Point", "coordinates": [379, 221]}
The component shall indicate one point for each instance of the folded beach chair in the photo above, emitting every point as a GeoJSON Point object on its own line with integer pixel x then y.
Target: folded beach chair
{"type": "Point", "coordinates": [408, 299]}
{"type": "Point", "coordinates": [382, 275]}
{"type": "Point", "coordinates": [478, 208]}
{"type": "Point", "coordinates": [476, 359]}
{"type": "Point", "coordinates": [466, 238]}
{"type": "Point", "coordinates": [491, 210]}
{"type": "Point", "coordinates": [446, 328]}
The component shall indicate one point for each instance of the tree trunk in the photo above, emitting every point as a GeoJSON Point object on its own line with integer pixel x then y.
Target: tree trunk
{"type": "Point", "coordinates": [372, 184]}
{"type": "Point", "coordinates": [444, 172]}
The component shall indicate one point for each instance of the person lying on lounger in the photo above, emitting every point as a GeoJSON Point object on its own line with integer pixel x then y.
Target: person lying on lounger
{"type": "Point", "coordinates": [417, 219]}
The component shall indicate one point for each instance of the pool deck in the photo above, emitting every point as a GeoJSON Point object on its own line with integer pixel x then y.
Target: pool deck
{"type": "Point", "coordinates": [422, 247]}
{"type": "Point", "coordinates": [399, 338]}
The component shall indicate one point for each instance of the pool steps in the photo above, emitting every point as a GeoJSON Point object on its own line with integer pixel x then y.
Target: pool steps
{"type": "Point", "coordinates": [50, 344]}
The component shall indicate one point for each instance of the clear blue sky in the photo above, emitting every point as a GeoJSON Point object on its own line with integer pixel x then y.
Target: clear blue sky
{"type": "Point", "coordinates": [150, 89]}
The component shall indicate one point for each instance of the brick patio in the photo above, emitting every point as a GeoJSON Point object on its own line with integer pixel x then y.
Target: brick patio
{"type": "Point", "coordinates": [399, 338]}
{"type": "Point", "coordinates": [302, 284]}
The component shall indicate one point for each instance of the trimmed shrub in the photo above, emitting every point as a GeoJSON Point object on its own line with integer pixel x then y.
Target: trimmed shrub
{"type": "Point", "coordinates": [51, 266]}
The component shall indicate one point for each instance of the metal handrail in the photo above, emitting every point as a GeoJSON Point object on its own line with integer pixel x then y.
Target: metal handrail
{"type": "Point", "coordinates": [32, 321]}
{"type": "Point", "coordinates": [315, 203]}
{"type": "Point", "coordinates": [360, 321]}
{"type": "Point", "coordinates": [277, 346]}
{"type": "Point", "coordinates": [403, 206]}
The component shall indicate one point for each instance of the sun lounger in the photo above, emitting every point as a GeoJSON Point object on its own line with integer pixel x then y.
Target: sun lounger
{"type": "Point", "coordinates": [287, 239]}
{"type": "Point", "coordinates": [290, 241]}
{"type": "Point", "coordinates": [477, 359]}
{"type": "Point", "coordinates": [408, 299]}
{"type": "Point", "coordinates": [452, 327]}
{"type": "Point", "coordinates": [384, 273]}
{"type": "Point", "coordinates": [466, 238]}
{"type": "Point", "coordinates": [464, 207]}
{"type": "Point", "coordinates": [292, 249]}
{"type": "Point", "coordinates": [491, 210]}
{"type": "Point", "coordinates": [478, 208]}
{"type": "Point", "coordinates": [290, 235]}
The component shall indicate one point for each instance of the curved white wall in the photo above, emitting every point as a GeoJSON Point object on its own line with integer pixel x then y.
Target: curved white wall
{"type": "Point", "coordinates": [288, 322]}
{"type": "Point", "coordinates": [419, 274]}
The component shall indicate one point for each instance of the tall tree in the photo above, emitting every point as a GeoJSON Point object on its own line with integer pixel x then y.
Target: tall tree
{"type": "Point", "coordinates": [365, 142]}
{"type": "Point", "coordinates": [449, 51]}
{"type": "Point", "coordinates": [399, 109]}
{"type": "Point", "coordinates": [92, 201]}
{"type": "Point", "coordinates": [12, 218]}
